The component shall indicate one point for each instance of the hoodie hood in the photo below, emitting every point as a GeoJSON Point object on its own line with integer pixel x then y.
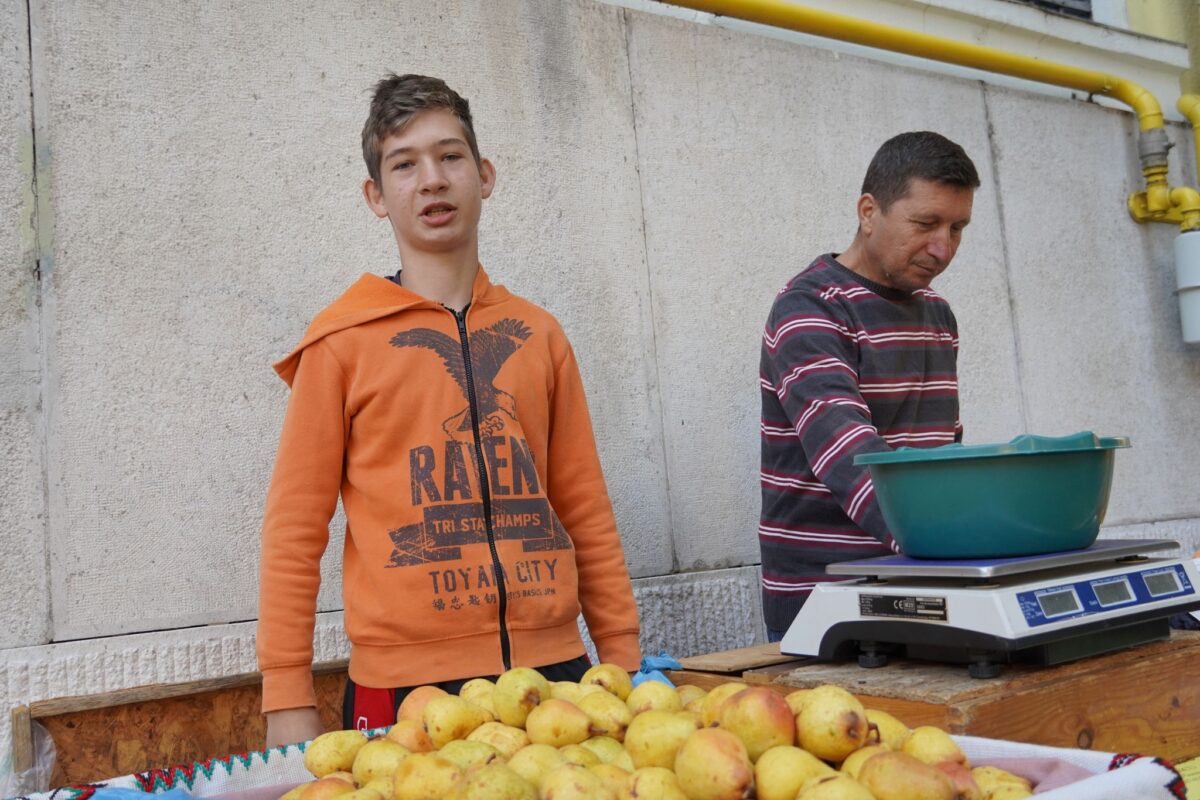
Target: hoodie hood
{"type": "Point", "coordinates": [369, 298]}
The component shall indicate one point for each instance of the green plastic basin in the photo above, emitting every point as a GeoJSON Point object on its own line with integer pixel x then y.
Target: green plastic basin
{"type": "Point", "coordinates": [1033, 495]}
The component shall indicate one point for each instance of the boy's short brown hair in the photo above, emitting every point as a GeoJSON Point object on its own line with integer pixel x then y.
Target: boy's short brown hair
{"type": "Point", "coordinates": [397, 99]}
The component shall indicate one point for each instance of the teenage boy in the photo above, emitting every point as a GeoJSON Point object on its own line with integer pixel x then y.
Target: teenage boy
{"type": "Point", "coordinates": [450, 416]}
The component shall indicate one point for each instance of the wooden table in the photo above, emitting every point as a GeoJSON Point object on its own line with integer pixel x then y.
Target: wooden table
{"type": "Point", "coordinates": [1143, 700]}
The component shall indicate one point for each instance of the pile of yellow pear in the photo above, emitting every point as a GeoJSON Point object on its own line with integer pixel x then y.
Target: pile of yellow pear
{"type": "Point", "coordinates": [525, 738]}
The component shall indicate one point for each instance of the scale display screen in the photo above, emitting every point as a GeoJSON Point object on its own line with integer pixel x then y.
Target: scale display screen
{"type": "Point", "coordinates": [1113, 593]}
{"type": "Point", "coordinates": [1056, 604]}
{"type": "Point", "coordinates": [1160, 583]}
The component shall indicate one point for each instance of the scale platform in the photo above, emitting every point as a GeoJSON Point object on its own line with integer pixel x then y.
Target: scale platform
{"type": "Point", "coordinates": [1044, 609]}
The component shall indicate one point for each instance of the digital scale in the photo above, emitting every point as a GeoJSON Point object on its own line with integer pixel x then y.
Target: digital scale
{"type": "Point", "coordinates": [1043, 609]}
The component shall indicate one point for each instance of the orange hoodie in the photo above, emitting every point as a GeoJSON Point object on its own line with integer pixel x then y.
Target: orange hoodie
{"type": "Point", "coordinates": [477, 520]}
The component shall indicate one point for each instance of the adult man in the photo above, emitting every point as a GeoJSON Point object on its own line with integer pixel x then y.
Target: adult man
{"type": "Point", "coordinates": [859, 355]}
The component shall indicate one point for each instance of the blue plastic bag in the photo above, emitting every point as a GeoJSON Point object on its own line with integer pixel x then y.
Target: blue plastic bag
{"type": "Point", "coordinates": [652, 667]}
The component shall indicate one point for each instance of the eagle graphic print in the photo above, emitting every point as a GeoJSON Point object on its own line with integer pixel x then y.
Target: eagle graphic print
{"type": "Point", "coordinates": [445, 476]}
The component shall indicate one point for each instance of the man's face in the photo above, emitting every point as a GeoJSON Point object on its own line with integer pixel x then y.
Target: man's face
{"type": "Point", "coordinates": [430, 186]}
{"type": "Point", "coordinates": [911, 243]}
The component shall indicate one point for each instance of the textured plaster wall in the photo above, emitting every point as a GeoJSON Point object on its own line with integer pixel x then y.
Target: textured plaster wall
{"type": "Point", "coordinates": [659, 180]}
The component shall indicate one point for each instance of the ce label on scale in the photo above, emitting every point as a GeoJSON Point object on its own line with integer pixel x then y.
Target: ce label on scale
{"type": "Point", "coordinates": [902, 606]}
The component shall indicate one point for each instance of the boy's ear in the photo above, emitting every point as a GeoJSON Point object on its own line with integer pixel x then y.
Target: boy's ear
{"type": "Point", "coordinates": [487, 177]}
{"type": "Point", "coordinates": [374, 197]}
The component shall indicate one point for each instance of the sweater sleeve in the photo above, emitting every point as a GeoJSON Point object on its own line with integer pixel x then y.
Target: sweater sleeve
{"type": "Point", "coordinates": [300, 503]}
{"type": "Point", "coordinates": [576, 489]}
{"type": "Point", "coordinates": [809, 361]}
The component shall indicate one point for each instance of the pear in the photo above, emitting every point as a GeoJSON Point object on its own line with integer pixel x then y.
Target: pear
{"type": "Point", "coordinates": [295, 792]}
{"type": "Point", "coordinates": [933, 745]}
{"type": "Point", "coordinates": [377, 758]}
{"type": "Point", "coordinates": [384, 786]}
{"type": "Point", "coordinates": [688, 693]}
{"type": "Point", "coordinates": [534, 761]}
{"type": "Point", "coordinates": [411, 735]}
{"type": "Point", "coordinates": [557, 723]}
{"type": "Point", "coordinates": [518, 691]}
{"type": "Point", "coordinates": [760, 718]}
{"type": "Point", "coordinates": [478, 691]}
{"type": "Point", "coordinates": [449, 717]}
{"type": "Point", "coordinates": [413, 704]}
{"type": "Point", "coordinates": [468, 755]}
{"type": "Point", "coordinates": [494, 782]}
{"type": "Point", "coordinates": [609, 677]}
{"type": "Point", "coordinates": [565, 690]}
{"type": "Point", "coordinates": [988, 778]}
{"type": "Point", "coordinates": [834, 787]}
{"type": "Point", "coordinates": [832, 724]}
{"type": "Point", "coordinates": [613, 776]}
{"type": "Point", "coordinates": [606, 748]}
{"type": "Point", "coordinates": [425, 776]}
{"type": "Point", "coordinates": [624, 761]}
{"type": "Point", "coordinates": [610, 716]}
{"type": "Point", "coordinates": [654, 738]}
{"type": "Point", "coordinates": [965, 787]}
{"type": "Point", "coordinates": [899, 776]}
{"type": "Point", "coordinates": [344, 775]}
{"type": "Point", "coordinates": [892, 732]}
{"type": "Point", "coordinates": [855, 760]}
{"type": "Point", "coordinates": [713, 765]}
{"type": "Point", "coordinates": [649, 695]}
{"type": "Point", "coordinates": [710, 709]}
{"type": "Point", "coordinates": [653, 783]}
{"type": "Point", "coordinates": [795, 700]}
{"type": "Point", "coordinates": [505, 738]}
{"type": "Point", "coordinates": [325, 788]}
{"type": "Point", "coordinates": [781, 771]}
{"type": "Point", "coordinates": [333, 752]}
{"type": "Point", "coordinates": [573, 782]}
{"type": "Point", "coordinates": [365, 793]}
{"type": "Point", "coordinates": [578, 754]}
{"type": "Point", "coordinates": [1009, 791]}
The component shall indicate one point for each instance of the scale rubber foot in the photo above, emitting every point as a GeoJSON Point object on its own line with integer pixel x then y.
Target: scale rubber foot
{"type": "Point", "coordinates": [983, 669]}
{"type": "Point", "coordinates": [872, 660]}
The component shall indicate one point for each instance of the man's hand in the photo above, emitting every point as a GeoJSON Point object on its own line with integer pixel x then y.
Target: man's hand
{"type": "Point", "coordinates": [292, 725]}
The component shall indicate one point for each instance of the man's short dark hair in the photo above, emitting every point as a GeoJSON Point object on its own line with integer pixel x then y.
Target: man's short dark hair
{"type": "Point", "coordinates": [917, 154]}
{"type": "Point", "coordinates": [397, 99]}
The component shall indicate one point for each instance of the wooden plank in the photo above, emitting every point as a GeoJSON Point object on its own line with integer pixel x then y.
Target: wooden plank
{"type": "Point", "coordinates": [737, 661]}
{"type": "Point", "coordinates": [22, 740]}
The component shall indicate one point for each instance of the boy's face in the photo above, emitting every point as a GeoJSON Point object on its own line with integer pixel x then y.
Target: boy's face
{"type": "Point", "coordinates": [430, 186]}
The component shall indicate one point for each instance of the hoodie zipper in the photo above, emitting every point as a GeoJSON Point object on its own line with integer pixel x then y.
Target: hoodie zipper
{"type": "Point", "coordinates": [485, 490]}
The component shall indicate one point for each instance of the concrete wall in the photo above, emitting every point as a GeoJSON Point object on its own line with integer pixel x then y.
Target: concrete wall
{"type": "Point", "coordinates": [197, 202]}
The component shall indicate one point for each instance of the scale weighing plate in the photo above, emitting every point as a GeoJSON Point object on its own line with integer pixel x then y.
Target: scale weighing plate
{"type": "Point", "coordinates": [1045, 609]}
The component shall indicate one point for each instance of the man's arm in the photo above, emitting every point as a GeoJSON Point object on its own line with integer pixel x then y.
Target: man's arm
{"type": "Point", "coordinates": [300, 503]}
{"type": "Point", "coordinates": [810, 364]}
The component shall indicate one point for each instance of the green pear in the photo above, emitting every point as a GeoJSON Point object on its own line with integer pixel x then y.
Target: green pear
{"type": "Point", "coordinates": [295, 792]}
{"type": "Point", "coordinates": [933, 745]}
{"type": "Point", "coordinates": [688, 694]}
{"type": "Point", "coordinates": [892, 732]}
{"type": "Point", "coordinates": [518, 691]}
{"type": "Point", "coordinates": [613, 776]}
{"type": "Point", "coordinates": [899, 776]}
{"type": "Point", "coordinates": [713, 765]}
{"type": "Point", "coordinates": [853, 762]}
{"type": "Point", "coordinates": [534, 761]}
{"type": "Point", "coordinates": [832, 724]}
{"type": "Point", "coordinates": [834, 787]}
{"type": "Point", "coordinates": [425, 776]}
{"type": "Point", "coordinates": [449, 717]}
{"type": "Point", "coordinates": [573, 782]}
{"type": "Point", "coordinates": [610, 716]}
{"type": "Point", "coordinates": [494, 782]}
{"type": "Point", "coordinates": [557, 723]}
{"type": "Point", "coordinates": [650, 695]}
{"type": "Point", "coordinates": [653, 783]}
{"type": "Point", "coordinates": [364, 793]}
{"type": "Point", "coordinates": [710, 709]}
{"type": "Point", "coordinates": [989, 778]}
{"type": "Point", "coordinates": [384, 786]}
{"type": "Point", "coordinates": [377, 758]}
{"type": "Point", "coordinates": [468, 755]}
{"type": "Point", "coordinates": [1009, 791]}
{"type": "Point", "coordinates": [781, 771]}
{"type": "Point", "coordinates": [611, 678]}
{"type": "Point", "coordinates": [479, 691]}
{"type": "Point", "coordinates": [578, 754]}
{"type": "Point", "coordinates": [565, 690]}
{"type": "Point", "coordinates": [795, 700]}
{"type": "Point", "coordinates": [333, 752]}
{"type": "Point", "coordinates": [760, 718]}
{"type": "Point", "coordinates": [324, 789]}
{"type": "Point", "coordinates": [505, 738]}
{"type": "Point", "coordinates": [606, 747]}
{"type": "Point", "coordinates": [654, 738]}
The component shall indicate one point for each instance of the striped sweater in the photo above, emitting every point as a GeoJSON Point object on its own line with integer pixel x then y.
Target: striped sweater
{"type": "Point", "coordinates": [848, 367]}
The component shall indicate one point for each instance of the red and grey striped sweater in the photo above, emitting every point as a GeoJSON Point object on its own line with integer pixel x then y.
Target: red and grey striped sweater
{"type": "Point", "coordinates": [848, 366]}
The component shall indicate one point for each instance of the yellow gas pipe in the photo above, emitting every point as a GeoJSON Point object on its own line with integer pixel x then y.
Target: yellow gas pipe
{"type": "Point", "coordinates": [1159, 203]}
